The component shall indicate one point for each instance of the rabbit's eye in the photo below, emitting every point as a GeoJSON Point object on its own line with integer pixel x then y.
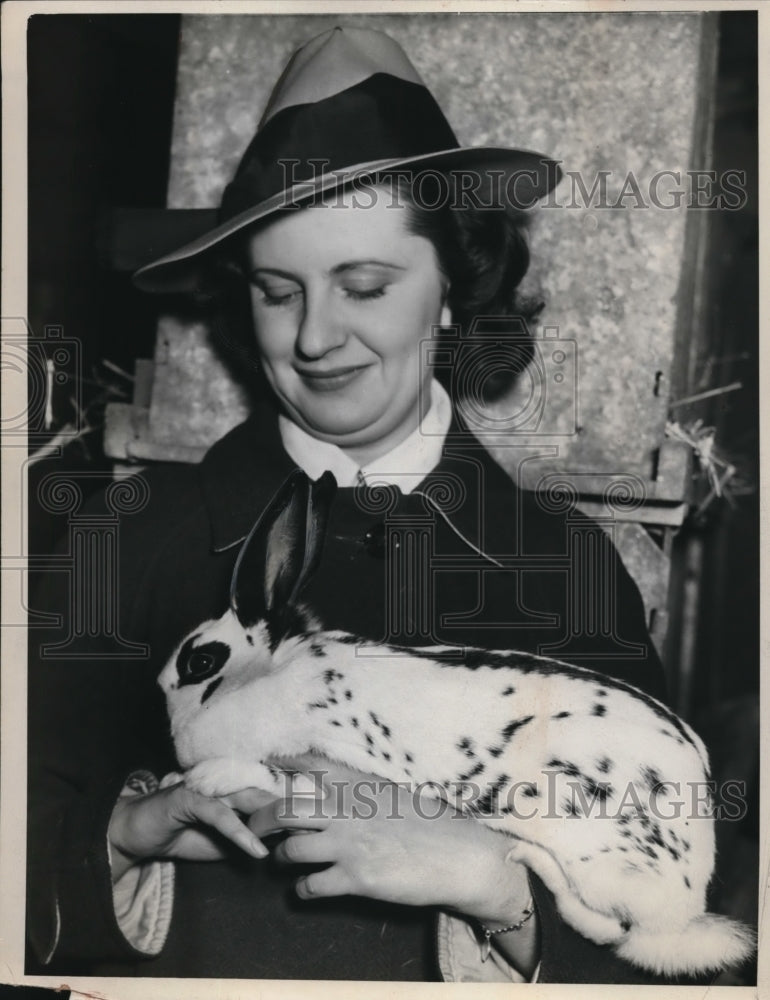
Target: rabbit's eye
{"type": "Point", "coordinates": [200, 664]}
{"type": "Point", "coordinates": [197, 663]}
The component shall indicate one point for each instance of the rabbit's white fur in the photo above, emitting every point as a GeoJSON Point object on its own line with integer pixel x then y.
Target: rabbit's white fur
{"type": "Point", "coordinates": [630, 868]}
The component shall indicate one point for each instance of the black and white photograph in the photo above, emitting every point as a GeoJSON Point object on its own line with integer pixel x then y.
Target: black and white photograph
{"type": "Point", "coordinates": [381, 498]}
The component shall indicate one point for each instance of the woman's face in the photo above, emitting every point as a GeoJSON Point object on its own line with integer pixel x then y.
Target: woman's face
{"type": "Point", "coordinates": [342, 296]}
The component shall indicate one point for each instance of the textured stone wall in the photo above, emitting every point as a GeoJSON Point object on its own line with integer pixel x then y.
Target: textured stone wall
{"type": "Point", "coordinates": [600, 92]}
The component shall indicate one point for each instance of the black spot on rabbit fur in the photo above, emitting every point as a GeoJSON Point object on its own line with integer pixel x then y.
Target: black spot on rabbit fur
{"type": "Point", "coordinates": [600, 790]}
{"type": "Point", "coordinates": [651, 778]}
{"type": "Point", "coordinates": [565, 767]}
{"type": "Point", "coordinates": [488, 801]}
{"type": "Point", "coordinates": [599, 709]}
{"type": "Point", "coordinates": [514, 725]}
{"type": "Point", "coordinates": [211, 689]}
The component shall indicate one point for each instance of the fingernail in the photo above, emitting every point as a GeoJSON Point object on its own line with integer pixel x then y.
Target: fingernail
{"type": "Point", "coordinates": [258, 847]}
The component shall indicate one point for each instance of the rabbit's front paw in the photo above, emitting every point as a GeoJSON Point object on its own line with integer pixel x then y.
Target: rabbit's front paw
{"type": "Point", "coordinates": [221, 776]}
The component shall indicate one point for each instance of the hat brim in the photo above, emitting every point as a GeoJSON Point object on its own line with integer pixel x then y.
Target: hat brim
{"type": "Point", "coordinates": [525, 177]}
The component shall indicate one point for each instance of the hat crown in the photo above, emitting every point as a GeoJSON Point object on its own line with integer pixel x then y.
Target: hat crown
{"type": "Point", "coordinates": [347, 98]}
{"type": "Point", "coordinates": [334, 61]}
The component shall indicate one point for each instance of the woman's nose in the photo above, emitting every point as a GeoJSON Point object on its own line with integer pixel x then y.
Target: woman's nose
{"type": "Point", "coordinates": [321, 327]}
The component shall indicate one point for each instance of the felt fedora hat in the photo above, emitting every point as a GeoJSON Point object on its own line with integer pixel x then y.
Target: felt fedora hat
{"type": "Point", "coordinates": [348, 106]}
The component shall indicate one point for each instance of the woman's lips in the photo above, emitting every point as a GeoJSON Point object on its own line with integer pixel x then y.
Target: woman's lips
{"type": "Point", "coordinates": [329, 381]}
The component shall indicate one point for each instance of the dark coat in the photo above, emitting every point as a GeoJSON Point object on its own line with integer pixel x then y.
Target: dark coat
{"type": "Point", "coordinates": [93, 720]}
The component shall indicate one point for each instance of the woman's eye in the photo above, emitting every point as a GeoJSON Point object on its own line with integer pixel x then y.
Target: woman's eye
{"type": "Point", "coordinates": [362, 294]}
{"type": "Point", "coordinates": [273, 293]}
{"type": "Point", "coordinates": [279, 297]}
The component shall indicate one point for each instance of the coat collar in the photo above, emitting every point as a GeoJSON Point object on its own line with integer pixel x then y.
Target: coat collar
{"type": "Point", "coordinates": [242, 471]}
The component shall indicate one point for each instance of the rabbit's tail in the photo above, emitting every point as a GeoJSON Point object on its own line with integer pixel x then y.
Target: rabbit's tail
{"type": "Point", "coordinates": [708, 943]}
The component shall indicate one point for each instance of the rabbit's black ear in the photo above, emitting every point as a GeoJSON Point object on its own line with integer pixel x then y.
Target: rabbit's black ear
{"type": "Point", "coordinates": [281, 553]}
{"type": "Point", "coordinates": [272, 556]}
{"type": "Point", "coordinates": [321, 496]}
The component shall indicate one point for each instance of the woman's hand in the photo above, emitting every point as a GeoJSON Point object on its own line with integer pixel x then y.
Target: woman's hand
{"type": "Point", "coordinates": [175, 822]}
{"type": "Point", "coordinates": [382, 841]}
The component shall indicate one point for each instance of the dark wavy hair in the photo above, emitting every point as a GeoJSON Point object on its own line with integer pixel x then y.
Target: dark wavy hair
{"type": "Point", "coordinates": [482, 251]}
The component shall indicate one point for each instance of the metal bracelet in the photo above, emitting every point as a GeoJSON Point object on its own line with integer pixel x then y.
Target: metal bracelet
{"type": "Point", "coordinates": [486, 946]}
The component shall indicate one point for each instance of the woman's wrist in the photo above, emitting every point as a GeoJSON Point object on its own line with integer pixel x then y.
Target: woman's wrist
{"type": "Point", "coordinates": [499, 900]}
{"type": "Point", "coordinates": [514, 922]}
{"type": "Point", "coordinates": [121, 859]}
{"type": "Point", "coordinates": [497, 889]}
{"type": "Point", "coordinates": [491, 933]}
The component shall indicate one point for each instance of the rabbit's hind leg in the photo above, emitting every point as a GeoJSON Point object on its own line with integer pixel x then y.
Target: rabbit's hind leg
{"type": "Point", "coordinates": [599, 927]}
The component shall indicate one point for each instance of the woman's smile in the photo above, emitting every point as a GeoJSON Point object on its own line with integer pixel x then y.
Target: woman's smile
{"type": "Point", "coordinates": [333, 379]}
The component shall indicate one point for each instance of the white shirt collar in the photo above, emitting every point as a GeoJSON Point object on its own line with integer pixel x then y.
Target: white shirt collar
{"type": "Point", "coordinates": [404, 466]}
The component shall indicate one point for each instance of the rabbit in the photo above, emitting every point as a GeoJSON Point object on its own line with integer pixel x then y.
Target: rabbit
{"type": "Point", "coordinates": [587, 775]}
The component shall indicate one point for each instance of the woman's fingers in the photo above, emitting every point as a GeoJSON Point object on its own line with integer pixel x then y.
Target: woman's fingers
{"type": "Point", "coordinates": [298, 813]}
{"type": "Point", "coordinates": [175, 822]}
{"type": "Point", "coordinates": [330, 882]}
{"type": "Point", "coordinates": [224, 820]}
{"type": "Point", "coordinates": [248, 800]}
{"type": "Point", "coordinates": [305, 847]}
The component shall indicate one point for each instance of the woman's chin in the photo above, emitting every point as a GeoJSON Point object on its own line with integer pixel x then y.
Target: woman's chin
{"type": "Point", "coordinates": [338, 415]}
{"type": "Point", "coordinates": [344, 430]}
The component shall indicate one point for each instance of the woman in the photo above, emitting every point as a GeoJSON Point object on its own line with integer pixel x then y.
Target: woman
{"type": "Point", "coordinates": [333, 278]}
